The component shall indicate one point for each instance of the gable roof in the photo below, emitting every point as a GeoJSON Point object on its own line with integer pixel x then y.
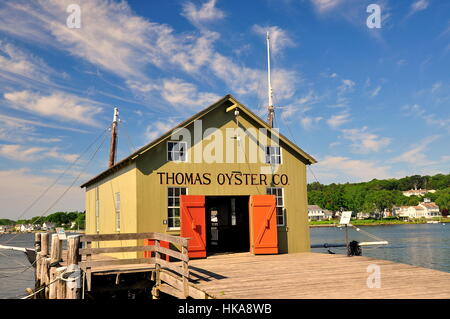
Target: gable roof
{"type": "Point", "coordinates": [229, 101]}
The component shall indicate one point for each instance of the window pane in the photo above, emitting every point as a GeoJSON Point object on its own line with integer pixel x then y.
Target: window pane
{"type": "Point", "coordinates": [176, 202]}
{"type": "Point", "coordinates": [183, 191]}
{"type": "Point", "coordinates": [280, 220]}
{"type": "Point", "coordinates": [177, 222]}
{"type": "Point", "coordinates": [177, 191]}
{"type": "Point", "coordinates": [170, 222]}
{"type": "Point", "coordinates": [170, 146]}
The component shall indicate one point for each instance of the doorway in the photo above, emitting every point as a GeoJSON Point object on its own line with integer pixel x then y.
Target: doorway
{"type": "Point", "coordinates": [227, 224]}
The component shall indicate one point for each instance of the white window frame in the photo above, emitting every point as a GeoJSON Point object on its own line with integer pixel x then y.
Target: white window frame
{"type": "Point", "coordinates": [185, 151]}
{"type": "Point", "coordinates": [283, 213]}
{"type": "Point", "coordinates": [280, 156]}
{"type": "Point", "coordinates": [117, 207]}
{"type": "Point", "coordinates": [171, 207]}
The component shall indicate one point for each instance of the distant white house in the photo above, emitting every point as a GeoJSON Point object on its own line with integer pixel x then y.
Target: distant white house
{"type": "Point", "coordinates": [362, 215]}
{"type": "Point", "coordinates": [48, 226]}
{"type": "Point", "coordinates": [423, 210]}
{"type": "Point", "coordinates": [315, 213]}
{"type": "Point", "coordinates": [327, 214]}
{"type": "Point", "coordinates": [431, 209]}
{"type": "Point", "coordinates": [25, 228]}
{"type": "Point", "coordinates": [418, 192]}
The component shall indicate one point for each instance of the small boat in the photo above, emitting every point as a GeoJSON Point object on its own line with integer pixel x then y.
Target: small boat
{"type": "Point", "coordinates": [432, 222]}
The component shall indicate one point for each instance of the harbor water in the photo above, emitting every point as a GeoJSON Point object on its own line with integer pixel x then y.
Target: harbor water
{"type": "Point", "coordinates": [423, 245]}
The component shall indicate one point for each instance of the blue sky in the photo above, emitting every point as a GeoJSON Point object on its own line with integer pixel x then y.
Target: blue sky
{"type": "Point", "coordinates": [367, 103]}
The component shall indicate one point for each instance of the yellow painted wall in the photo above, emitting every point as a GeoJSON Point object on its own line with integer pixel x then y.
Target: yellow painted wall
{"type": "Point", "coordinates": [123, 181]}
{"type": "Point", "coordinates": [152, 196]}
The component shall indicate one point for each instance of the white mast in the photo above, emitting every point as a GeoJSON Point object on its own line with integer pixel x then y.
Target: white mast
{"type": "Point", "coordinates": [269, 85]}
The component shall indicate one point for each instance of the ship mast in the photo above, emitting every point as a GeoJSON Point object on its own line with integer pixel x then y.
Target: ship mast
{"type": "Point", "coordinates": [269, 85]}
{"type": "Point", "coordinates": [113, 145]}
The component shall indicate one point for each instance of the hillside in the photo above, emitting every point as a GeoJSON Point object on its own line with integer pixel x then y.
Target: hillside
{"type": "Point", "coordinates": [377, 195]}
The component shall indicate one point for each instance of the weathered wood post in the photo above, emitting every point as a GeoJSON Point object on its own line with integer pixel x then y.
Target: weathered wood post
{"type": "Point", "coordinates": [37, 262]}
{"type": "Point", "coordinates": [73, 283]}
{"type": "Point", "coordinates": [43, 266]}
{"type": "Point", "coordinates": [61, 284]}
{"type": "Point", "coordinates": [55, 258]}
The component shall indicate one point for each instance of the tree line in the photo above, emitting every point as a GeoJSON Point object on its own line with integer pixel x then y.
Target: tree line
{"type": "Point", "coordinates": [59, 219]}
{"type": "Point", "coordinates": [378, 195]}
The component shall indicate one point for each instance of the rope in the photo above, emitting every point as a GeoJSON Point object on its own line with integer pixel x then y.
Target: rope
{"type": "Point", "coordinates": [130, 143]}
{"type": "Point", "coordinates": [59, 177]}
{"type": "Point", "coordinates": [60, 277]}
{"type": "Point", "coordinates": [25, 269]}
{"type": "Point", "coordinates": [69, 187]}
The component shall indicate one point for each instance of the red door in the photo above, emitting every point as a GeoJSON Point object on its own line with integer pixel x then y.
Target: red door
{"type": "Point", "coordinates": [193, 224]}
{"type": "Point", "coordinates": [263, 223]}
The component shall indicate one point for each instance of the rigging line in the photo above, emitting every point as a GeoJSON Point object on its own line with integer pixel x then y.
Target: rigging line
{"type": "Point", "coordinates": [60, 176]}
{"type": "Point", "coordinates": [28, 267]}
{"type": "Point", "coordinates": [132, 148]}
{"type": "Point", "coordinates": [312, 172]}
{"type": "Point", "coordinates": [11, 257]}
{"type": "Point", "coordinates": [70, 186]}
{"type": "Point", "coordinates": [294, 140]}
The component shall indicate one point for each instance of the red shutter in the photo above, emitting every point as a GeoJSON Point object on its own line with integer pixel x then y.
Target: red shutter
{"type": "Point", "coordinates": [193, 224]}
{"type": "Point", "coordinates": [264, 224]}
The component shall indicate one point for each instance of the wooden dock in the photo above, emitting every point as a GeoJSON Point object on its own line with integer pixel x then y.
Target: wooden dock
{"type": "Point", "coordinates": [230, 276]}
{"type": "Point", "coordinates": [313, 276]}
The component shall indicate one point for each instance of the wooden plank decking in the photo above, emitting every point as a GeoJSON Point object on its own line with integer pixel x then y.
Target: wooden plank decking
{"type": "Point", "coordinates": [312, 276]}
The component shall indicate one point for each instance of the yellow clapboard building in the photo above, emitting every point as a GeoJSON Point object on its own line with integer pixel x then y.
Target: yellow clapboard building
{"type": "Point", "coordinates": [224, 178]}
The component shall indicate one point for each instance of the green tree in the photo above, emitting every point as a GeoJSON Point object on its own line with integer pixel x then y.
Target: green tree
{"type": "Point", "coordinates": [81, 221]}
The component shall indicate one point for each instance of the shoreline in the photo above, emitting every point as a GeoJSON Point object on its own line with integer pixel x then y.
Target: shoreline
{"type": "Point", "coordinates": [374, 224]}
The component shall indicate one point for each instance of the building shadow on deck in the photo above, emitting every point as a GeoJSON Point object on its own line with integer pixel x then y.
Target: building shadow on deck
{"type": "Point", "coordinates": [199, 274]}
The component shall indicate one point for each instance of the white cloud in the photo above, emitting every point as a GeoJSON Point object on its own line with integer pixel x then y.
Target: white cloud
{"type": "Point", "coordinates": [376, 91]}
{"type": "Point", "coordinates": [115, 39]}
{"type": "Point", "coordinates": [418, 111]}
{"type": "Point", "coordinates": [346, 86]}
{"type": "Point", "coordinates": [279, 39]}
{"type": "Point", "coordinates": [59, 105]}
{"type": "Point", "coordinates": [343, 169]}
{"type": "Point", "coordinates": [20, 187]}
{"type": "Point", "coordinates": [419, 5]}
{"type": "Point", "coordinates": [14, 131]}
{"type": "Point", "coordinates": [182, 94]}
{"type": "Point", "coordinates": [158, 128]}
{"type": "Point", "coordinates": [325, 5]}
{"type": "Point", "coordinates": [364, 142]}
{"type": "Point", "coordinates": [309, 123]}
{"type": "Point", "coordinates": [338, 119]}
{"type": "Point", "coordinates": [26, 124]}
{"type": "Point", "coordinates": [18, 62]}
{"type": "Point", "coordinates": [111, 37]}
{"type": "Point", "coordinates": [417, 154]}
{"type": "Point", "coordinates": [31, 154]}
{"type": "Point", "coordinates": [202, 14]}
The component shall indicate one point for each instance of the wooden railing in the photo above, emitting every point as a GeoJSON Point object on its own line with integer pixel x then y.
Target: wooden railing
{"type": "Point", "coordinates": [182, 270]}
